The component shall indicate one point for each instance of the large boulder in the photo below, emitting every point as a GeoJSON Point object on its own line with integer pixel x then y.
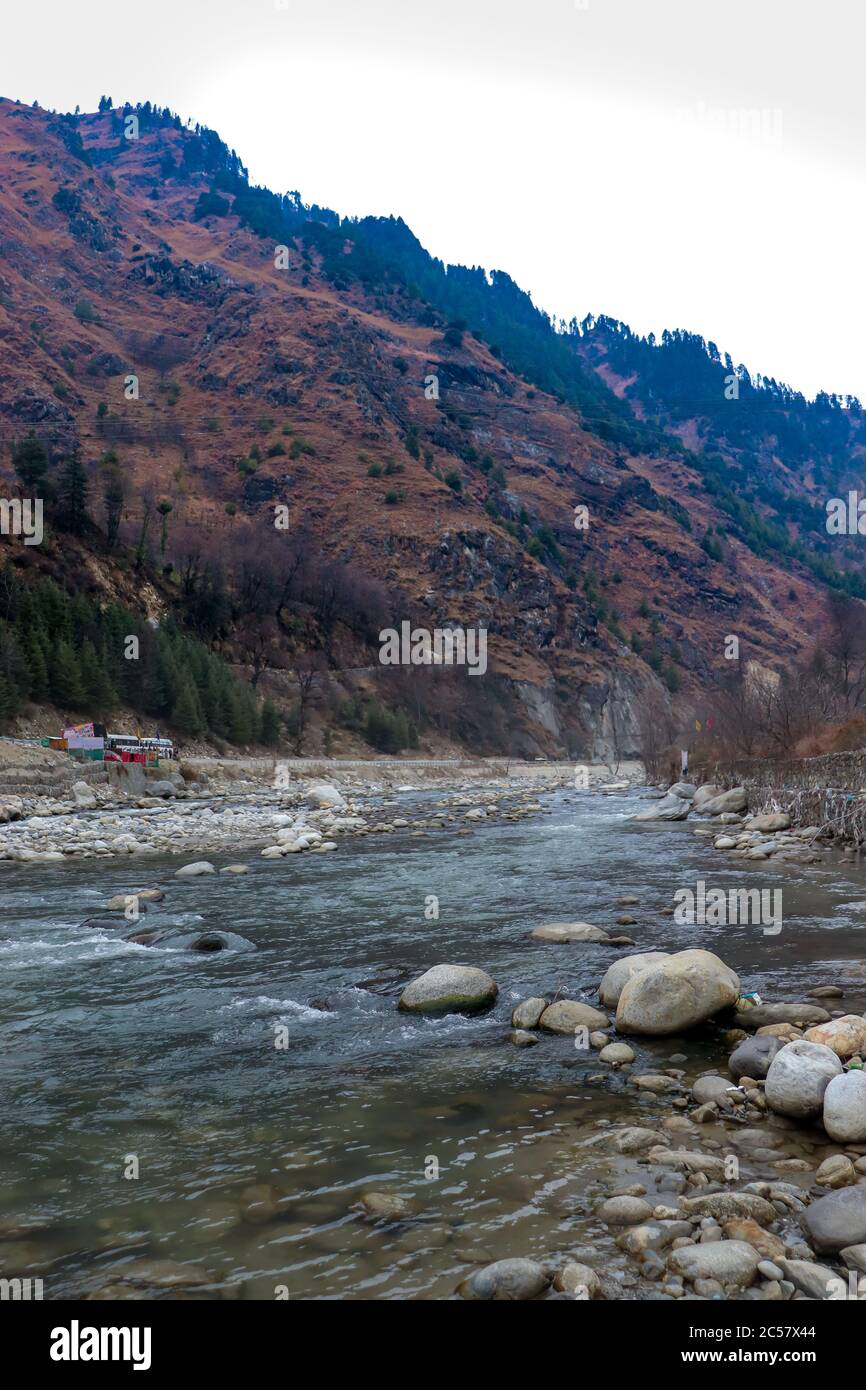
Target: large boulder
{"type": "Point", "coordinates": [837, 1220]}
{"type": "Point", "coordinates": [196, 870]}
{"type": "Point", "coordinates": [83, 796]}
{"type": "Point", "coordinates": [449, 989]}
{"type": "Point", "coordinates": [845, 1108]}
{"type": "Point", "coordinates": [753, 1057]}
{"type": "Point", "coordinates": [708, 792]}
{"type": "Point", "coordinates": [622, 970]}
{"type": "Point", "coordinates": [686, 790]}
{"type": "Point", "coordinates": [669, 808]}
{"type": "Point", "coordinates": [325, 795]}
{"type": "Point", "coordinates": [733, 800]}
{"type": "Point", "coordinates": [798, 1077]}
{"type": "Point", "coordinates": [568, 1014]}
{"type": "Point", "coordinates": [676, 994]}
{"type": "Point", "coordinates": [770, 820]}
{"type": "Point", "coordinates": [846, 1036]}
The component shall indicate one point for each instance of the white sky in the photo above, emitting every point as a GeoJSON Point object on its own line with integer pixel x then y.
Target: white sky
{"type": "Point", "coordinates": [572, 143]}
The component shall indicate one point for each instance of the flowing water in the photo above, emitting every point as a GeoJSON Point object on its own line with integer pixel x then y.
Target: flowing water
{"type": "Point", "coordinates": [283, 1066]}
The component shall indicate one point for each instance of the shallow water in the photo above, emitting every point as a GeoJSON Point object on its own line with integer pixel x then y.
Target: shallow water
{"type": "Point", "coordinates": [113, 1052]}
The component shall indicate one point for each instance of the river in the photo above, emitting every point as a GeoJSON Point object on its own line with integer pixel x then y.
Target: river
{"type": "Point", "coordinates": [228, 1109]}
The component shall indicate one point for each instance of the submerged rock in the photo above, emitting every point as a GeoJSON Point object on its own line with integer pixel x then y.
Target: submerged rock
{"type": "Point", "coordinates": [506, 1279]}
{"type": "Point", "coordinates": [450, 989]}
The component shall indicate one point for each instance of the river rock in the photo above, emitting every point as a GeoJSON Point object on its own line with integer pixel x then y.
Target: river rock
{"type": "Point", "coordinates": [567, 1014]}
{"type": "Point", "coordinates": [624, 1211]}
{"type": "Point", "coordinates": [686, 790]}
{"type": "Point", "coordinates": [527, 1013]}
{"type": "Point", "coordinates": [708, 792]}
{"type": "Point", "coordinates": [753, 1057]}
{"type": "Point", "coordinates": [633, 1139]}
{"type": "Point", "coordinates": [814, 1280]}
{"type": "Point", "coordinates": [235, 869]}
{"type": "Point", "coordinates": [581, 1281]}
{"type": "Point", "coordinates": [84, 796]}
{"type": "Point", "coordinates": [676, 994]}
{"type": "Point", "coordinates": [164, 789]}
{"type": "Point", "coordinates": [798, 1077]}
{"type": "Point", "coordinates": [617, 1054]}
{"type": "Point", "coordinates": [715, 1089]}
{"type": "Point", "coordinates": [521, 1038]}
{"type": "Point", "coordinates": [846, 1036]}
{"type": "Point", "coordinates": [726, 1206]}
{"type": "Point", "coordinates": [670, 808]}
{"type": "Point", "coordinates": [845, 1108]}
{"type": "Point", "coordinates": [764, 1015]}
{"type": "Point", "coordinates": [733, 800]}
{"type": "Point", "coordinates": [506, 1279]}
{"type": "Point", "coordinates": [769, 821]}
{"type": "Point", "coordinates": [622, 970]}
{"type": "Point", "coordinates": [196, 870]}
{"type": "Point", "coordinates": [837, 1220]}
{"type": "Point", "coordinates": [728, 1261]}
{"type": "Point", "coordinates": [325, 795]}
{"type": "Point", "coordinates": [854, 1257]}
{"type": "Point", "coordinates": [837, 1170]}
{"type": "Point", "coordinates": [766, 1244]}
{"type": "Point", "coordinates": [569, 931]}
{"type": "Point", "coordinates": [387, 1206]}
{"type": "Point", "coordinates": [449, 989]}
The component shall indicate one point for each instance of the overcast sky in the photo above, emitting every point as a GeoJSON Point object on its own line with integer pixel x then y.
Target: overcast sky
{"type": "Point", "coordinates": [673, 163]}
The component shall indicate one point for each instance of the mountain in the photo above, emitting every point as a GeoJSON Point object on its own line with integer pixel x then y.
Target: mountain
{"type": "Point", "coordinates": [294, 430]}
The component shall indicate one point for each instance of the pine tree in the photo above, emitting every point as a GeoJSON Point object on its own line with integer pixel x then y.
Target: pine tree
{"type": "Point", "coordinates": [72, 496]}
{"type": "Point", "coordinates": [30, 461]}
{"type": "Point", "coordinates": [187, 713]}
{"type": "Point", "coordinates": [270, 727]}
{"type": "Point", "coordinates": [65, 677]}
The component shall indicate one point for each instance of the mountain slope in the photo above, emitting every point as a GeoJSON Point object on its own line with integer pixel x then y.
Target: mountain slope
{"type": "Point", "coordinates": [428, 431]}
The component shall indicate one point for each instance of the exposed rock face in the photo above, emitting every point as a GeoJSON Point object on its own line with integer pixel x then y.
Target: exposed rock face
{"type": "Point", "coordinates": [798, 1077]}
{"type": "Point", "coordinates": [676, 994]}
{"type": "Point", "coordinates": [450, 989]}
{"type": "Point", "coordinates": [616, 975]}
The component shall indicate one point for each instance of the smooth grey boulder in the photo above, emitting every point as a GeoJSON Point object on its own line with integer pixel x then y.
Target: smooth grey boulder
{"type": "Point", "coordinates": [837, 1220]}
{"type": "Point", "coordinates": [505, 1280]}
{"type": "Point", "coordinates": [708, 792]}
{"type": "Point", "coordinates": [685, 790]}
{"type": "Point", "coordinates": [567, 1014]}
{"type": "Point", "coordinates": [196, 870]}
{"type": "Point", "coordinates": [814, 1280]}
{"type": "Point", "coordinates": [753, 1057]}
{"type": "Point", "coordinates": [770, 820]}
{"type": "Point", "coordinates": [715, 1089]}
{"type": "Point", "coordinates": [624, 1211]}
{"type": "Point", "coordinates": [845, 1108]}
{"type": "Point", "coordinates": [616, 975]}
{"type": "Point", "coordinates": [676, 994]}
{"type": "Point", "coordinates": [528, 1012]}
{"type": "Point", "coordinates": [449, 989]}
{"type": "Point", "coordinates": [728, 1261]}
{"type": "Point", "coordinates": [798, 1077]}
{"type": "Point", "coordinates": [734, 800]}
